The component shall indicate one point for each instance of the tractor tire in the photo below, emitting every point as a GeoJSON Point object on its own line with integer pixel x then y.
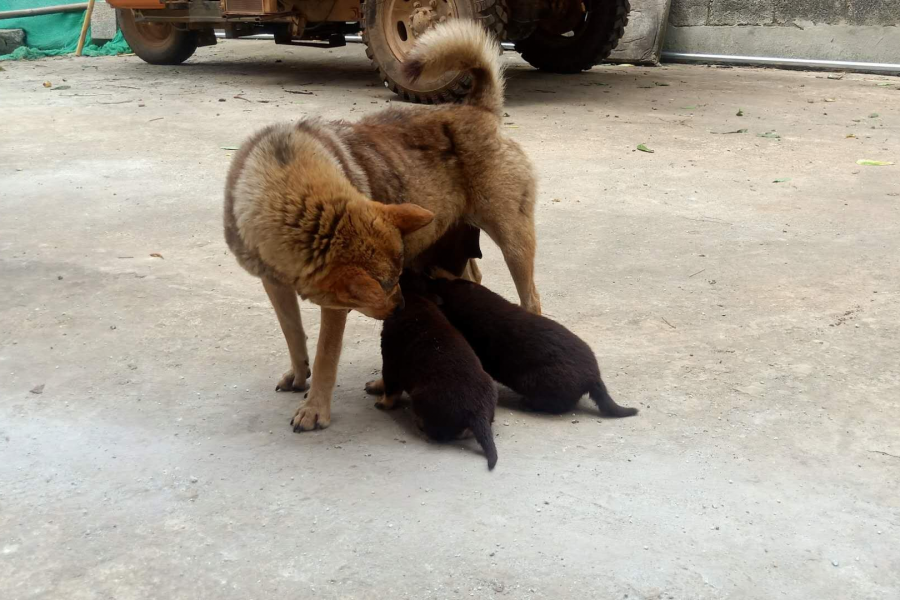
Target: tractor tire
{"type": "Point", "coordinates": [157, 43]}
{"type": "Point", "coordinates": [576, 42]}
{"type": "Point", "coordinates": [388, 37]}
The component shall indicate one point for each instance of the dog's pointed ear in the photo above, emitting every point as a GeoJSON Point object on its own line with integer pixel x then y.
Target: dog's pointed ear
{"type": "Point", "coordinates": [408, 217]}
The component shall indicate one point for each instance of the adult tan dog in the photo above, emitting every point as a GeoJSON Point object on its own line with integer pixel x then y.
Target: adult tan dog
{"type": "Point", "coordinates": [300, 209]}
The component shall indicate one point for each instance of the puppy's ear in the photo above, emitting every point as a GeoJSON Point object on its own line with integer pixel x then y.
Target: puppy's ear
{"type": "Point", "coordinates": [472, 243]}
{"type": "Point", "coordinates": [408, 217]}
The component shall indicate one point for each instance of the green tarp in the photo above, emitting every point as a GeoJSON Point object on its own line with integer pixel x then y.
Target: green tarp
{"type": "Point", "coordinates": [52, 35]}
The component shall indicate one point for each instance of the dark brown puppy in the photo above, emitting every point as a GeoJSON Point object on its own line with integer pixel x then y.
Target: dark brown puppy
{"type": "Point", "coordinates": [532, 355]}
{"type": "Point", "coordinates": [425, 356]}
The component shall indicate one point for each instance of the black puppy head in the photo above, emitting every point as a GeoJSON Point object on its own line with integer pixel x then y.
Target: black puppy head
{"type": "Point", "coordinates": [412, 283]}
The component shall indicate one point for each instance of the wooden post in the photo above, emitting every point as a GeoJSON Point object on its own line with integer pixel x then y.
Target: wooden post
{"type": "Point", "coordinates": [84, 27]}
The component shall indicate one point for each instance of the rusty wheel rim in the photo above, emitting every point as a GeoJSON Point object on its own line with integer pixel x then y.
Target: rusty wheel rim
{"type": "Point", "coordinates": [406, 20]}
{"type": "Point", "coordinates": [154, 34]}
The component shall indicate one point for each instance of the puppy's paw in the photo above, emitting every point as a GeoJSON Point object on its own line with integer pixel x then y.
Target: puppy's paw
{"type": "Point", "coordinates": [386, 402]}
{"type": "Point", "coordinates": [375, 387]}
{"type": "Point", "coordinates": [311, 415]}
{"type": "Point", "coordinates": [289, 383]}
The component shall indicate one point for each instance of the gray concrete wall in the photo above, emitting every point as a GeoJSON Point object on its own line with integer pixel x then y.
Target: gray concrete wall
{"type": "Point", "coordinates": [863, 30]}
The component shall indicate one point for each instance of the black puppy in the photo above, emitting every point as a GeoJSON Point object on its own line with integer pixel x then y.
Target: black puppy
{"type": "Point", "coordinates": [425, 356]}
{"type": "Point", "coordinates": [538, 358]}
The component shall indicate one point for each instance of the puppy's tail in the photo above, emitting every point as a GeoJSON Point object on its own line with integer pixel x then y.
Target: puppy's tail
{"type": "Point", "coordinates": [481, 429]}
{"type": "Point", "coordinates": [461, 45]}
{"type": "Point", "coordinates": [606, 404]}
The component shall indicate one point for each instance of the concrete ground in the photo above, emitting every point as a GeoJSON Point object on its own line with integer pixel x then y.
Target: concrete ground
{"type": "Point", "coordinates": [741, 290]}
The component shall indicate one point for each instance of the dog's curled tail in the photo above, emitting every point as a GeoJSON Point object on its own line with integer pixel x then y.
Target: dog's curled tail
{"type": "Point", "coordinates": [461, 45]}
{"type": "Point", "coordinates": [606, 404]}
{"type": "Point", "coordinates": [484, 435]}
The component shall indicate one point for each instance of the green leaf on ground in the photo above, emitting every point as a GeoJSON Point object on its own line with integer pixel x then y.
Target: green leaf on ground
{"type": "Point", "coordinates": [786, 179]}
{"type": "Point", "coordinates": [740, 112]}
{"type": "Point", "coordinates": [884, 84]}
{"type": "Point", "coordinates": [874, 163]}
{"type": "Point", "coordinates": [61, 87]}
{"type": "Point", "coordinates": [769, 134]}
{"type": "Point", "coordinates": [229, 147]}
{"type": "Point", "coordinates": [644, 148]}
{"type": "Point", "coordinates": [873, 116]}
{"type": "Point", "coordinates": [660, 84]}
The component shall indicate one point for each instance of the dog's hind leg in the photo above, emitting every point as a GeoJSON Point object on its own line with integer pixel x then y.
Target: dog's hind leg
{"type": "Point", "coordinates": [517, 241]}
{"type": "Point", "coordinates": [287, 309]}
{"type": "Point", "coordinates": [315, 411]}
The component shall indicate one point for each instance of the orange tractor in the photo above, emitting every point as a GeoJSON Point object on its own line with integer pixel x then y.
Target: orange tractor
{"type": "Point", "coordinates": [560, 36]}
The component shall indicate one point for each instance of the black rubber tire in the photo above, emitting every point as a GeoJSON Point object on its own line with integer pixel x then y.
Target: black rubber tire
{"type": "Point", "coordinates": [603, 27]}
{"type": "Point", "coordinates": [171, 47]}
{"type": "Point", "coordinates": [492, 14]}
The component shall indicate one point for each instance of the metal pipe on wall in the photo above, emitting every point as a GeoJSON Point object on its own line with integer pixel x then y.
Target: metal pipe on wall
{"type": "Point", "coordinates": [796, 63]}
{"type": "Point", "coordinates": [43, 10]}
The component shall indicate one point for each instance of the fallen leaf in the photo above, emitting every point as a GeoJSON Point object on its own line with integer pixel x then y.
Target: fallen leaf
{"type": "Point", "coordinates": [786, 179]}
{"type": "Point", "coordinates": [730, 132]}
{"type": "Point", "coordinates": [874, 163]}
{"type": "Point", "coordinates": [769, 134]}
{"type": "Point", "coordinates": [850, 135]}
{"type": "Point", "coordinates": [644, 148]}
{"type": "Point", "coordinates": [61, 87]}
{"type": "Point", "coordinates": [47, 84]}
{"type": "Point", "coordinates": [229, 147]}
{"type": "Point", "coordinates": [873, 116]}
{"type": "Point", "coordinates": [156, 255]}
{"type": "Point", "coordinates": [740, 112]}
{"type": "Point", "coordinates": [884, 84]}
{"type": "Point", "coordinates": [38, 389]}
{"type": "Point", "coordinates": [830, 100]}
{"type": "Point", "coordinates": [660, 84]}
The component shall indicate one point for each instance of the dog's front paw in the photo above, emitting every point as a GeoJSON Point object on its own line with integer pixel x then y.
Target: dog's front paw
{"type": "Point", "coordinates": [375, 387]}
{"type": "Point", "coordinates": [289, 383]}
{"type": "Point", "coordinates": [311, 415]}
